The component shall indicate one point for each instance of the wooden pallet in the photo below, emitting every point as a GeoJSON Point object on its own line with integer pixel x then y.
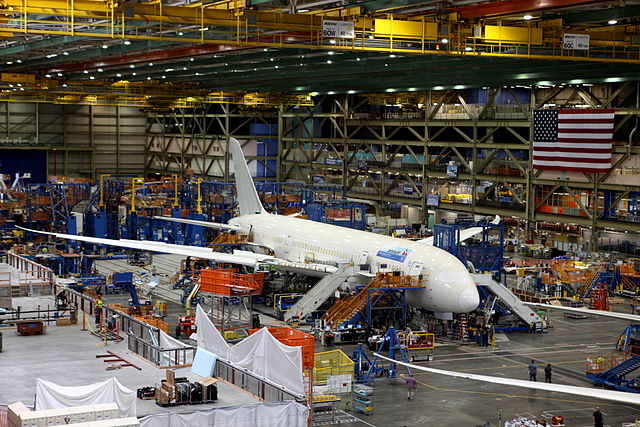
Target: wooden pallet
{"type": "Point", "coordinates": [112, 358]}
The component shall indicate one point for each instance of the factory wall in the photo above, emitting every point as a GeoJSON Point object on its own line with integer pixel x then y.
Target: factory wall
{"type": "Point", "coordinates": [78, 139]}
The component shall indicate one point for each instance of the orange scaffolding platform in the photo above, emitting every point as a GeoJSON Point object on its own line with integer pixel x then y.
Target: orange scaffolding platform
{"type": "Point", "coordinates": [229, 283]}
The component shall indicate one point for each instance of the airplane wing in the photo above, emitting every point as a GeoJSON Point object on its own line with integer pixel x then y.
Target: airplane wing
{"type": "Point", "coordinates": [238, 257]}
{"type": "Point", "coordinates": [616, 396]}
{"type": "Point", "coordinates": [622, 316]}
{"type": "Point", "coordinates": [464, 234]}
{"type": "Point", "coordinates": [200, 223]}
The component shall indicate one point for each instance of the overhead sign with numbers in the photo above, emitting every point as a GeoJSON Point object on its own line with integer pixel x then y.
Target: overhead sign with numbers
{"type": "Point", "coordinates": [338, 29]}
{"type": "Point", "coordinates": [576, 41]}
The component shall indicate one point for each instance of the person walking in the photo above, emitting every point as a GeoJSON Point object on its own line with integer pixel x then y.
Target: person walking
{"type": "Point", "coordinates": [598, 419]}
{"type": "Point", "coordinates": [533, 371]}
{"type": "Point", "coordinates": [547, 373]}
{"type": "Point", "coordinates": [411, 385]}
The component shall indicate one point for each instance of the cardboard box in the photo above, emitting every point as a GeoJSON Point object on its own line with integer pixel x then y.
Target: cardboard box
{"type": "Point", "coordinates": [171, 376]}
{"type": "Point", "coordinates": [208, 383]}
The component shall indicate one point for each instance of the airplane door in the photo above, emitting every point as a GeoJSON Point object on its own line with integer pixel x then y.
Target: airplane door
{"type": "Point", "coordinates": [364, 256]}
{"type": "Point", "coordinates": [416, 269]}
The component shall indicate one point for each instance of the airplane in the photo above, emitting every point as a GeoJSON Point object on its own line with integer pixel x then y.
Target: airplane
{"type": "Point", "coordinates": [312, 246]}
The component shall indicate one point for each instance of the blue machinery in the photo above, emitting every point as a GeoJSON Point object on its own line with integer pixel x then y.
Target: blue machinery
{"type": "Point", "coordinates": [390, 343]}
{"type": "Point", "coordinates": [484, 255]}
{"type": "Point", "coordinates": [613, 370]}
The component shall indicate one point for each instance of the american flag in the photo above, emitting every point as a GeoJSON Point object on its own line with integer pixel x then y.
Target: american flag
{"type": "Point", "coordinates": [573, 140]}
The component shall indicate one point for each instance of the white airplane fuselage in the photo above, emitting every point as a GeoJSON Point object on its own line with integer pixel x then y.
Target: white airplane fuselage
{"type": "Point", "coordinates": [449, 286]}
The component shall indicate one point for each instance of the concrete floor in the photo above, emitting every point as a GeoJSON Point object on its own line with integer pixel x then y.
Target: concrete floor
{"type": "Point", "coordinates": [66, 355]}
{"type": "Point", "coordinates": [442, 400]}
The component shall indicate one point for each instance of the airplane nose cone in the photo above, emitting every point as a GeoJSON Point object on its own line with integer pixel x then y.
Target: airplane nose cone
{"type": "Point", "coordinates": [468, 300]}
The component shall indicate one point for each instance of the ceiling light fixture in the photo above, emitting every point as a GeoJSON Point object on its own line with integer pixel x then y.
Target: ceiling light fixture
{"type": "Point", "coordinates": [527, 17]}
{"type": "Point", "coordinates": [92, 77]}
{"type": "Point", "coordinates": [65, 53]}
{"type": "Point", "coordinates": [86, 72]}
{"type": "Point", "coordinates": [48, 76]}
{"type": "Point", "coordinates": [100, 70]}
{"type": "Point", "coordinates": [118, 75]}
{"type": "Point", "coordinates": [445, 41]}
{"type": "Point", "coordinates": [612, 22]}
{"type": "Point", "coordinates": [127, 42]}
{"type": "Point", "coordinates": [180, 33]}
{"type": "Point", "coordinates": [59, 74]}
{"type": "Point", "coordinates": [132, 66]}
{"type": "Point", "coordinates": [104, 46]}
{"type": "Point", "coordinates": [330, 52]}
{"type": "Point", "coordinates": [19, 61]}
{"type": "Point", "coordinates": [329, 61]}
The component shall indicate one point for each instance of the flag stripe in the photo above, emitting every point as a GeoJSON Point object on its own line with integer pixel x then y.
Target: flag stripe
{"type": "Point", "coordinates": [581, 125]}
{"type": "Point", "coordinates": [570, 154]}
{"type": "Point", "coordinates": [583, 147]}
{"type": "Point", "coordinates": [569, 163]}
{"type": "Point", "coordinates": [576, 140]}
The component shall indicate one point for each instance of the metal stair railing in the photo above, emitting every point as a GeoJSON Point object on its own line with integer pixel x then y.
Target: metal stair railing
{"type": "Point", "coordinates": [318, 294]}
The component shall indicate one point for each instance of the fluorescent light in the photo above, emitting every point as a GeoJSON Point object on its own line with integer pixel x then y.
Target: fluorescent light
{"type": "Point", "coordinates": [59, 74]}
{"type": "Point", "coordinates": [329, 61]}
{"type": "Point", "coordinates": [527, 17]}
{"type": "Point", "coordinates": [204, 29]}
{"type": "Point", "coordinates": [104, 46]}
{"type": "Point", "coordinates": [92, 77]}
{"type": "Point", "coordinates": [65, 53]}
{"type": "Point", "coordinates": [612, 22]}
{"type": "Point", "coordinates": [168, 70]}
{"type": "Point", "coordinates": [392, 56]}
{"type": "Point", "coordinates": [180, 33]}
{"type": "Point", "coordinates": [371, 36]}
{"type": "Point", "coordinates": [149, 78]}
{"type": "Point", "coordinates": [100, 70]}
{"type": "Point", "coordinates": [445, 41]}
{"type": "Point", "coordinates": [48, 75]}
{"type": "Point", "coordinates": [332, 41]}
{"type": "Point", "coordinates": [118, 75]}
{"type": "Point", "coordinates": [127, 42]}
{"type": "Point", "coordinates": [86, 72]}
{"type": "Point", "coordinates": [330, 52]}
{"type": "Point", "coordinates": [132, 66]}
{"type": "Point", "coordinates": [303, 11]}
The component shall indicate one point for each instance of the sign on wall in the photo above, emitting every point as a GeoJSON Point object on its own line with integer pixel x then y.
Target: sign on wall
{"type": "Point", "coordinates": [576, 41]}
{"type": "Point", "coordinates": [338, 29]}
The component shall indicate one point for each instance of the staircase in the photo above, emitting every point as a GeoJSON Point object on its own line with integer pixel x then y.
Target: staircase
{"type": "Point", "coordinates": [611, 370]}
{"type": "Point", "coordinates": [508, 300]}
{"type": "Point", "coordinates": [318, 294]}
{"type": "Point", "coordinates": [348, 307]}
{"type": "Point", "coordinates": [592, 279]}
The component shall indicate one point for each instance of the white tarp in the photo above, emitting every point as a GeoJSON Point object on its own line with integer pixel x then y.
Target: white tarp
{"type": "Point", "coordinates": [208, 336]}
{"type": "Point", "coordinates": [267, 357]}
{"type": "Point", "coordinates": [168, 342]}
{"type": "Point", "coordinates": [54, 396]}
{"type": "Point", "coordinates": [290, 414]}
{"type": "Point", "coordinates": [259, 353]}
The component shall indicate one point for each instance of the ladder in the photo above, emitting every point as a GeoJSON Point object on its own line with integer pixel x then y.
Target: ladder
{"type": "Point", "coordinates": [592, 280]}
{"type": "Point", "coordinates": [462, 329]}
{"type": "Point", "coordinates": [318, 294]}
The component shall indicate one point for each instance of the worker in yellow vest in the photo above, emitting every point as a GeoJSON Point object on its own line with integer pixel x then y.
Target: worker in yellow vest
{"type": "Point", "coordinates": [99, 307]}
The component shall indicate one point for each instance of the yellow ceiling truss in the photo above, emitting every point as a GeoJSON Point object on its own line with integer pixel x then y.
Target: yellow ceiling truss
{"type": "Point", "coordinates": [230, 22]}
